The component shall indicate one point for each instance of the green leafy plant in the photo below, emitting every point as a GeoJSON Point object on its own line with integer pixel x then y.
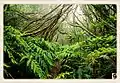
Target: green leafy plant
{"type": "Point", "coordinates": [89, 50]}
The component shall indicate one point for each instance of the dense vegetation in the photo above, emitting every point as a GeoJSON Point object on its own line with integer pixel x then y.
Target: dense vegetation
{"type": "Point", "coordinates": [41, 41]}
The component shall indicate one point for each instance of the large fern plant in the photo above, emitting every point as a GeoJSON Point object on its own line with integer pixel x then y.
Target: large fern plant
{"type": "Point", "coordinates": [35, 53]}
{"type": "Point", "coordinates": [33, 57]}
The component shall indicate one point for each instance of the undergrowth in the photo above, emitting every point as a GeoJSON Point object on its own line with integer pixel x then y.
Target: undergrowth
{"type": "Point", "coordinates": [33, 57]}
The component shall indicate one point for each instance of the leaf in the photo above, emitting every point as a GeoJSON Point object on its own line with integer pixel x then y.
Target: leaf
{"type": "Point", "coordinates": [24, 57]}
{"type": "Point", "coordinates": [5, 65]}
{"type": "Point", "coordinates": [29, 60]}
{"type": "Point", "coordinates": [105, 57]}
{"type": "Point", "coordinates": [48, 59]}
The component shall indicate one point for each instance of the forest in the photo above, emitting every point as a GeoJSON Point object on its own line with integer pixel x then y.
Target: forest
{"type": "Point", "coordinates": [60, 41]}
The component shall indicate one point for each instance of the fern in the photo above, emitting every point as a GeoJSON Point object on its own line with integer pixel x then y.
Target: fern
{"type": "Point", "coordinates": [39, 56]}
{"type": "Point", "coordinates": [29, 52]}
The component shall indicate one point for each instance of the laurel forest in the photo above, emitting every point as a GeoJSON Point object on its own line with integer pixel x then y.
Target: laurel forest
{"type": "Point", "coordinates": [59, 41]}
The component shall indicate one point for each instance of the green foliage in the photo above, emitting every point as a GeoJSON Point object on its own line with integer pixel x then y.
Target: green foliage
{"type": "Point", "coordinates": [89, 53]}
{"type": "Point", "coordinates": [38, 57]}
{"type": "Point", "coordinates": [62, 75]}
{"type": "Point", "coordinates": [84, 55]}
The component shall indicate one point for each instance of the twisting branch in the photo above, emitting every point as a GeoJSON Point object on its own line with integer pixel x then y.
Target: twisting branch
{"type": "Point", "coordinates": [49, 28]}
{"type": "Point", "coordinates": [42, 17]}
{"type": "Point", "coordinates": [82, 29]}
{"type": "Point", "coordinates": [81, 26]}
